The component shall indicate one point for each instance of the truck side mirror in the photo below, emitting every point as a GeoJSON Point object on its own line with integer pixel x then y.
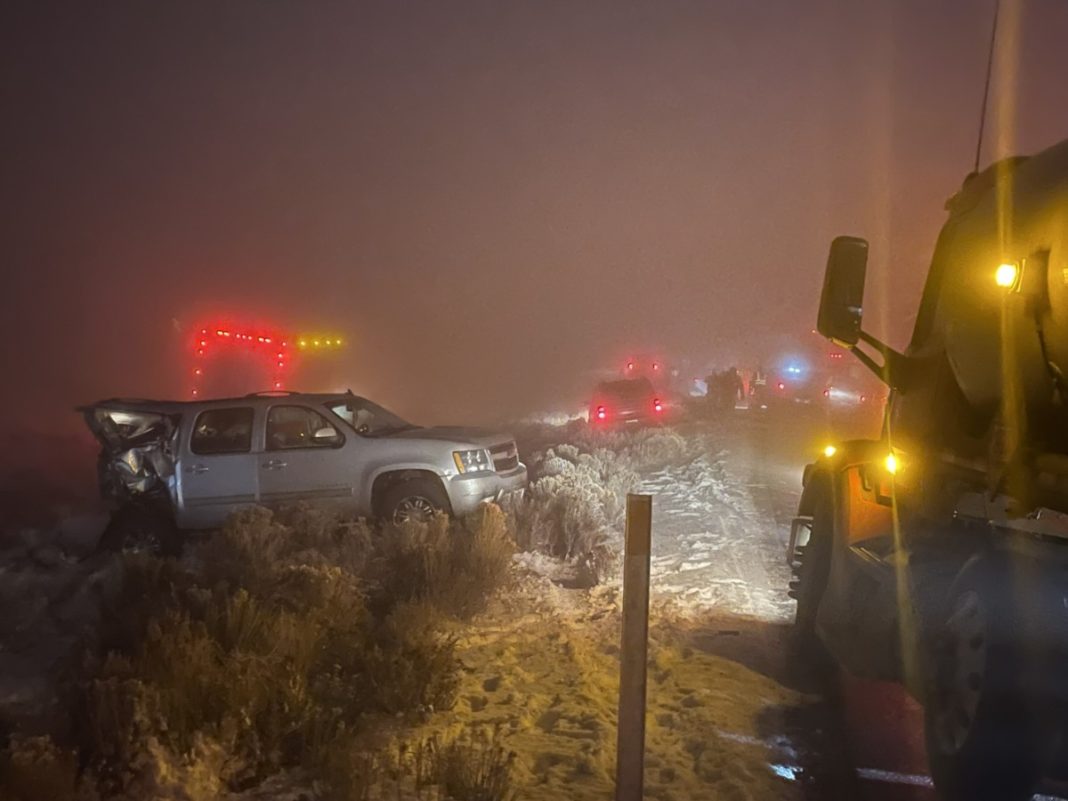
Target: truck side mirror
{"type": "Point", "coordinates": [842, 301]}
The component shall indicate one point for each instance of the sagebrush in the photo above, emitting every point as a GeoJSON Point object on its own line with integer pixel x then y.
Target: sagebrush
{"type": "Point", "coordinates": [270, 646]}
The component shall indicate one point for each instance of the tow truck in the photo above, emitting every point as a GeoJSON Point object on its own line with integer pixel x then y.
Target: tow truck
{"type": "Point", "coordinates": [936, 555]}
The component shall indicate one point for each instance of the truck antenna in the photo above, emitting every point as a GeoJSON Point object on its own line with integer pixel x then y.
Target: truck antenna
{"type": "Point", "coordinates": [986, 87]}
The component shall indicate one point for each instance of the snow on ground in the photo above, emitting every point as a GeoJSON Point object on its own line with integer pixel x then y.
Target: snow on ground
{"type": "Point", "coordinates": [542, 670]}
{"type": "Point", "coordinates": [714, 545]}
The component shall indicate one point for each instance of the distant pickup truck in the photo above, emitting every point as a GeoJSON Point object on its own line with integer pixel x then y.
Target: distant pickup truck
{"type": "Point", "coordinates": [196, 462]}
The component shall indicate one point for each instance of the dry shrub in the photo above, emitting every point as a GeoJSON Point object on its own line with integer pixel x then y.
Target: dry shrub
{"type": "Point", "coordinates": [264, 651]}
{"type": "Point", "coordinates": [411, 665]}
{"type": "Point", "coordinates": [454, 565]}
{"type": "Point", "coordinates": [575, 509]}
{"type": "Point", "coordinates": [35, 769]}
{"type": "Point", "coordinates": [473, 767]}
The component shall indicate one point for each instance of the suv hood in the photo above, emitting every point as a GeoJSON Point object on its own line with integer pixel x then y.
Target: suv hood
{"type": "Point", "coordinates": [459, 434]}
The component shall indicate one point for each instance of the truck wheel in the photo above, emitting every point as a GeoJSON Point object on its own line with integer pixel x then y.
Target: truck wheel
{"type": "Point", "coordinates": [414, 500]}
{"type": "Point", "coordinates": [133, 529]}
{"type": "Point", "coordinates": [812, 567]}
{"type": "Point", "coordinates": [983, 738]}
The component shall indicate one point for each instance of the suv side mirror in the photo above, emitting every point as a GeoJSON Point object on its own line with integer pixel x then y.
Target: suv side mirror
{"type": "Point", "coordinates": [842, 301]}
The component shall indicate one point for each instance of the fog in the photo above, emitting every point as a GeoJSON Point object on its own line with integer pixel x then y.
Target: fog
{"type": "Point", "coordinates": [489, 201]}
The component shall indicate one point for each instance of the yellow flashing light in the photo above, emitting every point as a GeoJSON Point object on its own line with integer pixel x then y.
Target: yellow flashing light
{"type": "Point", "coordinates": [892, 464]}
{"type": "Point", "coordinates": [1007, 275]}
{"type": "Point", "coordinates": [830, 451]}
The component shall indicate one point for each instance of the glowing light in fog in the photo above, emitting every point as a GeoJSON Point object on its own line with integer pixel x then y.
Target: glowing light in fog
{"type": "Point", "coordinates": [1006, 275]}
{"type": "Point", "coordinates": [830, 451]}
{"type": "Point", "coordinates": [892, 464]}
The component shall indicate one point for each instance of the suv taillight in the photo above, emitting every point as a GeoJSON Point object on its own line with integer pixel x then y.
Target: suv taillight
{"type": "Point", "coordinates": [602, 413]}
{"type": "Point", "coordinates": [657, 405]}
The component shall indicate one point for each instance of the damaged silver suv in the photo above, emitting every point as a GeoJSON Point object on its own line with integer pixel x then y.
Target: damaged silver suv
{"type": "Point", "coordinates": [199, 461]}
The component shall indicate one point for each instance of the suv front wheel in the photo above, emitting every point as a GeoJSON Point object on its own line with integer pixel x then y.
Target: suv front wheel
{"type": "Point", "coordinates": [413, 500]}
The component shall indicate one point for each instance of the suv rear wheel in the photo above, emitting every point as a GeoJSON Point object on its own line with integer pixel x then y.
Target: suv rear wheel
{"type": "Point", "coordinates": [413, 500]}
{"type": "Point", "coordinates": [138, 529]}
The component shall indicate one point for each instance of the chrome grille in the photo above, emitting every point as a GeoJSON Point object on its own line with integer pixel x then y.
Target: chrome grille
{"type": "Point", "coordinates": [505, 457]}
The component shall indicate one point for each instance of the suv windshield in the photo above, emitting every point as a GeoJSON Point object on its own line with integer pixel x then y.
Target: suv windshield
{"type": "Point", "coordinates": [368, 418]}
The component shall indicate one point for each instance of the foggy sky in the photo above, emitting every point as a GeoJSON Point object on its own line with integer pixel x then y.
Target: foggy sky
{"type": "Point", "coordinates": [489, 199]}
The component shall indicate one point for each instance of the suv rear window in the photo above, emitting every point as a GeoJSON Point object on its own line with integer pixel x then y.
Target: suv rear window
{"type": "Point", "coordinates": [222, 431]}
{"type": "Point", "coordinates": [628, 389]}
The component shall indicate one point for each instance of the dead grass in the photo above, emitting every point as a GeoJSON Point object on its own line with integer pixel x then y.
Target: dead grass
{"type": "Point", "coordinates": [276, 644]}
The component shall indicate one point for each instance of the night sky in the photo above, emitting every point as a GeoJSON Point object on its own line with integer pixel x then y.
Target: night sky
{"type": "Point", "coordinates": [489, 199]}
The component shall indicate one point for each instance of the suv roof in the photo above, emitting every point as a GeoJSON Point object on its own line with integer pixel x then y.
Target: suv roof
{"type": "Point", "coordinates": [147, 404]}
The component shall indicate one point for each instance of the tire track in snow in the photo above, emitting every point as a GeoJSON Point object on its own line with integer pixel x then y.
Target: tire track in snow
{"type": "Point", "coordinates": [713, 543]}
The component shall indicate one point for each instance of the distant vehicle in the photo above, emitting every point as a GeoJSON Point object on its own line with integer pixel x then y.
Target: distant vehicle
{"type": "Point", "coordinates": [788, 387]}
{"type": "Point", "coordinates": [630, 401]}
{"type": "Point", "coordinates": [725, 389]}
{"type": "Point", "coordinates": [836, 389]}
{"type": "Point", "coordinates": [193, 463]}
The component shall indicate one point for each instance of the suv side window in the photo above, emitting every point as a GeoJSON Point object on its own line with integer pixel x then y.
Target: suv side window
{"type": "Point", "coordinates": [291, 427]}
{"type": "Point", "coordinates": [222, 431]}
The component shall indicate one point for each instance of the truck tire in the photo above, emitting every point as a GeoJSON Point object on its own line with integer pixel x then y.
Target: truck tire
{"type": "Point", "coordinates": [411, 500]}
{"type": "Point", "coordinates": [137, 529]}
{"type": "Point", "coordinates": [812, 567]}
{"type": "Point", "coordinates": [984, 740]}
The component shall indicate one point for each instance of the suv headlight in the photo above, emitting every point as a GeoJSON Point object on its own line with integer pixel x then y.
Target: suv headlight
{"type": "Point", "coordinates": [472, 461]}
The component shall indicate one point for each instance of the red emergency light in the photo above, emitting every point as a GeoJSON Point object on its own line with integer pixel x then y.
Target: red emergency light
{"type": "Point", "coordinates": [271, 344]}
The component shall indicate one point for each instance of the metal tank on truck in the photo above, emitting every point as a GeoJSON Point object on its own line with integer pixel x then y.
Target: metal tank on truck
{"type": "Point", "coordinates": [937, 555]}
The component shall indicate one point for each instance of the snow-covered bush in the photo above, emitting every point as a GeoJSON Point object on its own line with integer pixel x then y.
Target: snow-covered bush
{"type": "Point", "coordinates": [575, 509]}
{"type": "Point", "coordinates": [275, 643]}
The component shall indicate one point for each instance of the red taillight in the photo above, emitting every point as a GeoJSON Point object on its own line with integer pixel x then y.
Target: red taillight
{"type": "Point", "coordinates": [602, 413]}
{"type": "Point", "coordinates": [863, 398]}
{"type": "Point", "coordinates": [657, 405]}
{"type": "Point", "coordinates": [826, 393]}
{"type": "Point", "coordinates": [782, 385]}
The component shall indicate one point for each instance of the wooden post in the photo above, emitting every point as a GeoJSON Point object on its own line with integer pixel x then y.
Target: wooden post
{"type": "Point", "coordinates": [633, 651]}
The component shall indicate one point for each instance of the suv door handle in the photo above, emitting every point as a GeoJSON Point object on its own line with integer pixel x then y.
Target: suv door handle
{"type": "Point", "coordinates": [274, 464]}
{"type": "Point", "coordinates": [197, 468]}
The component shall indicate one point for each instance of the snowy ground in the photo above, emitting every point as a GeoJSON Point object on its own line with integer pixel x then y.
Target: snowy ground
{"type": "Point", "coordinates": [716, 543]}
{"type": "Point", "coordinates": [728, 716]}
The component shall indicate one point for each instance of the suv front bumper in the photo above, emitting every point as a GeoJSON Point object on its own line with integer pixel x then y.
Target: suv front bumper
{"type": "Point", "coordinates": [467, 492]}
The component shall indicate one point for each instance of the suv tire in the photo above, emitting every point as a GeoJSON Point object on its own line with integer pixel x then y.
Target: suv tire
{"type": "Point", "coordinates": [413, 500]}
